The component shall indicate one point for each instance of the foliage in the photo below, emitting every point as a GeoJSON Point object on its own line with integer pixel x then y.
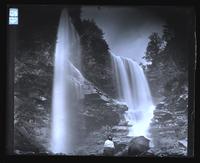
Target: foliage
{"type": "Point", "coordinates": [168, 79]}
{"type": "Point", "coordinates": [153, 47]}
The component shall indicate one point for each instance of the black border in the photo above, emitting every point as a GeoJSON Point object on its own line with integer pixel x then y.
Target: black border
{"type": "Point", "coordinates": [7, 86]}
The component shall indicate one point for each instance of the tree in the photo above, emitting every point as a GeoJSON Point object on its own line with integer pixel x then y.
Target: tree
{"type": "Point", "coordinates": [153, 47]}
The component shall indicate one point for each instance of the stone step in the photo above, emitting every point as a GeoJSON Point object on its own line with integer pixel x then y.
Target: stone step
{"type": "Point", "coordinates": [123, 123]}
{"type": "Point", "coordinates": [122, 140]}
{"type": "Point", "coordinates": [120, 134]}
{"type": "Point", "coordinates": [167, 132]}
{"type": "Point", "coordinates": [120, 128]}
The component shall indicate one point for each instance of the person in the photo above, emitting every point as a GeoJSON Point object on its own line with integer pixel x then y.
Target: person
{"type": "Point", "coordinates": [109, 147]}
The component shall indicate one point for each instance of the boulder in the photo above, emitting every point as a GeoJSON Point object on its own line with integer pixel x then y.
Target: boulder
{"type": "Point", "coordinates": [138, 146]}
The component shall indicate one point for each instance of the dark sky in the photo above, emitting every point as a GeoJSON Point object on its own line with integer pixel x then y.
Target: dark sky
{"type": "Point", "coordinates": [126, 29]}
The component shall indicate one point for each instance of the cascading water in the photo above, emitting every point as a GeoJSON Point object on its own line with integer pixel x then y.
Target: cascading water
{"type": "Point", "coordinates": [66, 82]}
{"type": "Point", "coordinates": [133, 90]}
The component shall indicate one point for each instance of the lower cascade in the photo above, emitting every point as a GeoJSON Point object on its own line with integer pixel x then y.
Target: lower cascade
{"type": "Point", "coordinates": [133, 90]}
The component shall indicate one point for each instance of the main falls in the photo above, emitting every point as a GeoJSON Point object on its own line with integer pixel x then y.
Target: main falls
{"type": "Point", "coordinates": [67, 83]}
{"type": "Point", "coordinates": [133, 90]}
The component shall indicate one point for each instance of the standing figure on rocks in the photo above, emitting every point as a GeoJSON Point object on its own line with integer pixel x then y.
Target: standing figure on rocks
{"type": "Point", "coordinates": [109, 147]}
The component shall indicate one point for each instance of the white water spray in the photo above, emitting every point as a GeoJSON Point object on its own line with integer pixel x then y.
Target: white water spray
{"type": "Point", "coordinates": [134, 91]}
{"type": "Point", "coordinates": [66, 78]}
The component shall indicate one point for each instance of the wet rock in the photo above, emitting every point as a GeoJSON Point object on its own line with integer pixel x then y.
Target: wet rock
{"type": "Point", "coordinates": [163, 115]}
{"type": "Point", "coordinates": [138, 146]}
{"type": "Point", "coordinates": [169, 126]}
{"type": "Point", "coordinates": [119, 128]}
{"type": "Point", "coordinates": [97, 111]}
{"type": "Point", "coordinates": [25, 144]}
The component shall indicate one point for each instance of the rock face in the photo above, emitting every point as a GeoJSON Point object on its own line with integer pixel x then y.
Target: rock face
{"type": "Point", "coordinates": [96, 59]}
{"type": "Point", "coordinates": [169, 126]}
{"type": "Point", "coordinates": [96, 110]}
{"type": "Point", "coordinates": [94, 141]}
{"type": "Point", "coordinates": [32, 86]}
{"type": "Point", "coordinates": [32, 100]}
{"type": "Point", "coordinates": [168, 80]}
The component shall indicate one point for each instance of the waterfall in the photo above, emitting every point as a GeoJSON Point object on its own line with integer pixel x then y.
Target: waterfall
{"type": "Point", "coordinates": [67, 83]}
{"type": "Point", "coordinates": [133, 90]}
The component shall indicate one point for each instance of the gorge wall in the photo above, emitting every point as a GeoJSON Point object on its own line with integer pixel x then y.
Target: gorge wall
{"type": "Point", "coordinates": [98, 113]}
